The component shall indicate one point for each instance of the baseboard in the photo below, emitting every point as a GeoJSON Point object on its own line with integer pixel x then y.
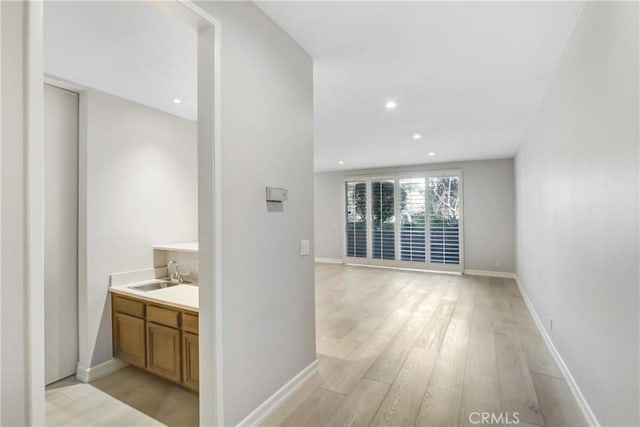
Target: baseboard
{"type": "Point", "coordinates": [488, 273]}
{"type": "Point", "coordinates": [86, 375]}
{"type": "Point", "coordinates": [573, 385]}
{"type": "Point", "coordinates": [328, 260]}
{"type": "Point", "coordinates": [262, 412]}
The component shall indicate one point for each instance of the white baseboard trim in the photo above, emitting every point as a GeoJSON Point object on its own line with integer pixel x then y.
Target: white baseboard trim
{"type": "Point", "coordinates": [391, 267]}
{"type": "Point", "coordinates": [488, 273]}
{"type": "Point", "coordinates": [86, 375]}
{"type": "Point", "coordinates": [573, 385]}
{"type": "Point", "coordinates": [329, 260]}
{"type": "Point", "coordinates": [262, 412]}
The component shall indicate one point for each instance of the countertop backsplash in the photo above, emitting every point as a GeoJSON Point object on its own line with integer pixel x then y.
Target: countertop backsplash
{"type": "Point", "coordinates": [187, 262]}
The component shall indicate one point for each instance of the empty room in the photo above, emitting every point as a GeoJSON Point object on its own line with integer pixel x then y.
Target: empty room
{"type": "Point", "coordinates": [320, 213]}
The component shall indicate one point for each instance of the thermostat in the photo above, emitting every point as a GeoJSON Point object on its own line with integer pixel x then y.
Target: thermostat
{"type": "Point", "coordinates": [276, 194]}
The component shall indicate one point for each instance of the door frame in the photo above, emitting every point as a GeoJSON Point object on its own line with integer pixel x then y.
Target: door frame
{"type": "Point", "coordinates": [397, 263]}
{"type": "Point", "coordinates": [209, 211]}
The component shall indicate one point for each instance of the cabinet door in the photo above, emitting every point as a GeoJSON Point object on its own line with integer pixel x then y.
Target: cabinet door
{"type": "Point", "coordinates": [190, 365]}
{"type": "Point", "coordinates": [128, 339]}
{"type": "Point", "coordinates": [163, 351]}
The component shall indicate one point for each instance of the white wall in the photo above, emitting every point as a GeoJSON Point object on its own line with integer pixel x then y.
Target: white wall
{"type": "Point", "coordinates": [577, 209]}
{"type": "Point", "coordinates": [489, 214]}
{"type": "Point", "coordinates": [267, 136]}
{"type": "Point", "coordinates": [138, 179]}
{"type": "Point", "coordinates": [328, 203]}
{"type": "Point", "coordinates": [13, 323]}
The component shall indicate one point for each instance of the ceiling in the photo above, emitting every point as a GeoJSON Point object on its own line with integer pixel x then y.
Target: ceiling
{"type": "Point", "coordinates": [467, 76]}
{"type": "Point", "coordinates": [138, 50]}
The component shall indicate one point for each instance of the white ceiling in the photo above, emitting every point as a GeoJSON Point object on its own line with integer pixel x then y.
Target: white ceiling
{"type": "Point", "coordinates": [467, 76]}
{"type": "Point", "coordinates": [142, 51]}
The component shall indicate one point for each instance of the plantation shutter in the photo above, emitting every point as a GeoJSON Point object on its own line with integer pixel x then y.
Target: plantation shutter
{"type": "Point", "coordinates": [356, 219]}
{"type": "Point", "coordinates": [412, 219]}
{"type": "Point", "coordinates": [383, 241]}
{"type": "Point", "coordinates": [444, 220]}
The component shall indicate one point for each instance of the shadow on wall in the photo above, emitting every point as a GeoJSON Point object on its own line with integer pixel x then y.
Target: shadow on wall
{"type": "Point", "coordinates": [104, 339]}
{"type": "Point", "coordinates": [275, 207]}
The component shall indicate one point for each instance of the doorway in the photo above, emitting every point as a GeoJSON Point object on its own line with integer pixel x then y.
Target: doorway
{"type": "Point", "coordinates": [208, 205]}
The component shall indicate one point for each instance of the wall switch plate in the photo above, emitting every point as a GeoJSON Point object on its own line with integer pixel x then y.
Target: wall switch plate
{"type": "Point", "coordinates": [304, 247]}
{"type": "Point", "coordinates": [276, 194]}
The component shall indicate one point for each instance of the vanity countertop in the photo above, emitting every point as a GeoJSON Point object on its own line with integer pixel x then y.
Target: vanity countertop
{"type": "Point", "coordinates": [188, 247]}
{"type": "Point", "coordinates": [179, 296]}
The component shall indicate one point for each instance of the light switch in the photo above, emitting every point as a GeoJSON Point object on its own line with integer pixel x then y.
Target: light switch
{"type": "Point", "coordinates": [304, 247]}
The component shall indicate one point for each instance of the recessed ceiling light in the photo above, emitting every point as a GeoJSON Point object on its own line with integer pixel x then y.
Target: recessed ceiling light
{"type": "Point", "coordinates": [176, 101]}
{"type": "Point", "coordinates": [340, 162]}
{"type": "Point", "coordinates": [432, 154]}
{"type": "Point", "coordinates": [391, 105]}
{"type": "Point", "coordinates": [416, 136]}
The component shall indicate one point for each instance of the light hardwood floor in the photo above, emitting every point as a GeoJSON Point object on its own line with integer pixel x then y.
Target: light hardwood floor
{"type": "Point", "coordinates": [129, 397]}
{"type": "Point", "coordinates": [400, 348]}
{"type": "Point", "coordinates": [70, 403]}
{"type": "Point", "coordinates": [395, 348]}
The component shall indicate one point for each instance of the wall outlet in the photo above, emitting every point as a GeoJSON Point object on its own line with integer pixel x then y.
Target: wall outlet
{"type": "Point", "coordinates": [498, 264]}
{"type": "Point", "coordinates": [551, 323]}
{"type": "Point", "coordinates": [304, 247]}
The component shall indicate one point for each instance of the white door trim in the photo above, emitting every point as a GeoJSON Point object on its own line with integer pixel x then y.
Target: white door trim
{"type": "Point", "coordinates": [209, 216]}
{"type": "Point", "coordinates": [34, 83]}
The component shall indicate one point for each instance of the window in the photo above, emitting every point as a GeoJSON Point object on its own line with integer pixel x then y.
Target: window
{"type": "Point", "coordinates": [356, 219]}
{"type": "Point", "coordinates": [410, 221]}
{"type": "Point", "coordinates": [383, 235]}
{"type": "Point", "coordinates": [444, 218]}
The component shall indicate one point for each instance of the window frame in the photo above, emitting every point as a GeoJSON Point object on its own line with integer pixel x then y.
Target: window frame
{"type": "Point", "coordinates": [427, 265]}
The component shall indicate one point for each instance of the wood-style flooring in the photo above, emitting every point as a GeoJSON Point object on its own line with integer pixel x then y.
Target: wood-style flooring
{"type": "Point", "coordinates": [395, 348]}
{"type": "Point", "coordinates": [401, 348]}
{"type": "Point", "coordinates": [128, 397]}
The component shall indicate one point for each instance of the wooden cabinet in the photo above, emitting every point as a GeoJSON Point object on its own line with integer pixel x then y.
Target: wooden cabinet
{"type": "Point", "coordinates": [190, 362]}
{"type": "Point", "coordinates": [163, 351]}
{"type": "Point", "coordinates": [128, 339]}
{"type": "Point", "coordinates": [190, 322]}
{"type": "Point", "coordinates": [159, 338]}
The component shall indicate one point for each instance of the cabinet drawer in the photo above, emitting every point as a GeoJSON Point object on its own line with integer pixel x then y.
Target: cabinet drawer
{"type": "Point", "coordinates": [163, 316]}
{"type": "Point", "coordinates": [190, 322]}
{"type": "Point", "coordinates": [128, 306]}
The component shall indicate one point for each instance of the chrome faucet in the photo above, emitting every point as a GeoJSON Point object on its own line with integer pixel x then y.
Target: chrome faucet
{"type": "Point", "coordinates": [175, 276]}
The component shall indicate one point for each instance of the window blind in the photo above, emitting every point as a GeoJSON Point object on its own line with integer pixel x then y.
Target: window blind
{"type": "Point", "coordinates": [383, 241]}
{"type": "Point", "coordinates": [412, 219]}
{"type": "Point", "coordinates": [356, 219]}
{"type": "Point", "coordinates": [444, 218]}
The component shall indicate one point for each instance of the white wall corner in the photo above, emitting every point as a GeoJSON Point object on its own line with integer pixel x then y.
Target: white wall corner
{"type": "Point", "coordinates": [262, 412]}
{"type": "Point", "coordinates": [573, 385]}
{"type": "Point", "coordinates": [86, 375]}
{"type": "Point", "coordinates": [328, 260]}
{"type": "Point", "coordinates": [488, 273]}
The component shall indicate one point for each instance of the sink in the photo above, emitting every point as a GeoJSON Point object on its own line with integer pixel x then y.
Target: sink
{"type": "Point", "coordinates": [154, 286]}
